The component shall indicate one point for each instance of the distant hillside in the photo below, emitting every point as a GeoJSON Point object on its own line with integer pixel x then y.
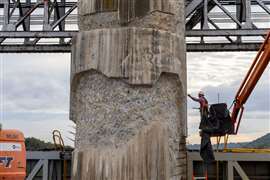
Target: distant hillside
{"type": "Point", "coordinates": [260, 143]}
{"type": "Point", "coordinates": [34, 144]}
{"type": "Point", "coordinates": [230, 145]}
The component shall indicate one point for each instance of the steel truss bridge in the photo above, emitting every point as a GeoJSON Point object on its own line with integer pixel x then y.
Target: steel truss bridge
{"type": "Point", "coordinates": [211, 25]}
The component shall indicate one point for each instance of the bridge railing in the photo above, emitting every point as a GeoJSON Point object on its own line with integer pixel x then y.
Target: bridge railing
{"type": "Point", "coordinates": [48, 165]}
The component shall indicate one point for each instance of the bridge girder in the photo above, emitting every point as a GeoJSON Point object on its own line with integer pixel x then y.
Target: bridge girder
{"type": "Point", "coordinates": [211, 25]}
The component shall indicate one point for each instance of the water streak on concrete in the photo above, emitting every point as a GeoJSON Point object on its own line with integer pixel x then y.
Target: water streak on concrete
{"type": "Point", "coordinates": [145, 157]}
{"type": "Point", "coordinates": [128, 90]}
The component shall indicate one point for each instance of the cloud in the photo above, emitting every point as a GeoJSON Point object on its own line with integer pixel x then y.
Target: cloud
{"type": "Point", "coordinates": [40, 125]}
{"type": "Point", "coordinates": [35, 92]}
{"type": "Point", "coordinates": [259, 99]}
{"type": "Point", "coordinates": [215, 69]}
{"type": "Point", "coordinates": [256, 118]}
{"type": "Point", "coordinates": [35, 83]}
{"type": "Point", "coordinates": [222, 73]}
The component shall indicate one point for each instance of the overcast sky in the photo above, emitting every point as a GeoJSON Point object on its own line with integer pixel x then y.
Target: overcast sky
{"type": "Point", "coordinates": [35, 92]}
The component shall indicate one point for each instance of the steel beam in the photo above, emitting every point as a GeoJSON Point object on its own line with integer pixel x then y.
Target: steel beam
{"type": "Point", "coordinates": [49, 162]}
{"type": "Point", "coordinates": [227, 32]}
{"type": "Point", "coordinates": [45, 169]}
{"type": "Point", "coordinates": [231, 161]}
{"type": "Point", "coordinates": [37, 155]}
{"type": "Point", "coordinates": [37, 34]}
{"type": "Point", "coordinates": [189, 33]}
{"type": "Point", "coordinates": [35, 170]}
{"type": "Point", "coordinates": [240, 171]}
{"type": "Point", "coordinates": [214, 47]}
{"type": "Point", "coordinates": [191, 7]}
{"type": "Point", "coordinates": [258, 157]}
{"type": "Point", "coordinates": [199, 14]}
{"type": "Point", "coordinates": [232, 2]}
{"type": "Point", "coordinates": [66, 48]}
{"type": "Point", "coordinates": [230, 172]}
{"type": "Point", "coordinates": [55, 48]}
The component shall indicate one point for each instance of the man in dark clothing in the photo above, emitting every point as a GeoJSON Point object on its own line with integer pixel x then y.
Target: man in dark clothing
{"type": "Point", "coordinates": [206, 150]}
{"type": "Point", "coordinates": [203, 104]}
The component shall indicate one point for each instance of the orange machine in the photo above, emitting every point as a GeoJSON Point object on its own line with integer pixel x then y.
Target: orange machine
{"type": "Point", "coordinates": [255, 72]}
{"type": "Point", "coordinates": [12, 155]}
{"type": "Point", "coordinates": [220, 122]}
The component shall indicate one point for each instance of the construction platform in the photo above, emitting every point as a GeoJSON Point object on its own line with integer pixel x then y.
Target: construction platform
{"type": "Point", "coordinates": [48, 165]}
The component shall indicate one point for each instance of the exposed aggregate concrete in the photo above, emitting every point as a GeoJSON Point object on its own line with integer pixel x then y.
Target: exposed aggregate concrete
{"type": "Point", "coordinates": [128, 90]}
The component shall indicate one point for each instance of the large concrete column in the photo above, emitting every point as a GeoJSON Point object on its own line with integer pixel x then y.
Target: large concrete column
{"type": "Point", "coordinates": [128, 90]}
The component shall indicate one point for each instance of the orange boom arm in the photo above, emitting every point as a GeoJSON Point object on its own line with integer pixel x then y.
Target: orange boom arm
{"type": "Point", "coordinates": [255, 72]}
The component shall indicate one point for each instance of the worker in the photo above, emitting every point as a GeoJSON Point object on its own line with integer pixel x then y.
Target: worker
{"type": "Point", "coordinates": [203, 105]}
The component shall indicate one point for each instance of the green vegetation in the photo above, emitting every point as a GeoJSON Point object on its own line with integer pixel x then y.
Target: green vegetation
{"type": "Point", "coordinates": [34, 144]}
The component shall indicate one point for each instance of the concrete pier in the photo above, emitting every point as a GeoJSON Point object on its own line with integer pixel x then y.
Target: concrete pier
{"type": "Point", "coordinates": [128, 90]}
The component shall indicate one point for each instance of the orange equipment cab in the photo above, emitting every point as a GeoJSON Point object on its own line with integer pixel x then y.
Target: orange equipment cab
{"type": "Point", "coordinates": [12, 155]}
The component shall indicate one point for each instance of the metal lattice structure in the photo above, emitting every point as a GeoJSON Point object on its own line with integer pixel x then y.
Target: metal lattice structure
{"type": "Point", "coordinates": [230, 163]}
{"type": "Point", "coordinates": [211, 25]}
{"type": "Point", "coordinates": [47, 165]}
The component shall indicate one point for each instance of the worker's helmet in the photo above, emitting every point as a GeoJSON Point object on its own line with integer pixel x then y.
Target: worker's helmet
{"type": "Point", "coordinates": [201, 93]}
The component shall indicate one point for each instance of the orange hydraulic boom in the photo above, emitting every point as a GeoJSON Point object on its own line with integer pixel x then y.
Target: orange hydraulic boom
{"type": "Point", "coordinates": [255, 72]}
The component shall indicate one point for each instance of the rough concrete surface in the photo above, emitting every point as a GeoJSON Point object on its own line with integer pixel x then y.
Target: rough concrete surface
{"type": "Point", "coordinates": [128, 90]}
{"type": "Point", "coordinates": [138, 56]}
{"type": "Point", "coordinates": [160, 14]}
{"type": "Point", "coordinates": [144, 157]}
{"type": "Point", "coordinates": [111, 114]}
